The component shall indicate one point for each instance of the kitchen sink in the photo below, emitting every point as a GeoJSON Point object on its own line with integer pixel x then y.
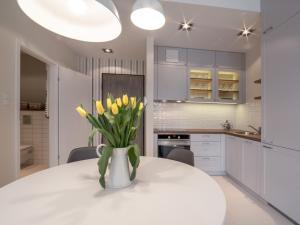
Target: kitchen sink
{"type": "Point", "coordinates": [245, 133]}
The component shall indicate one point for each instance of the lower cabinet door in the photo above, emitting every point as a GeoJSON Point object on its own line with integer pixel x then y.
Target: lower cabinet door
{"type": "Point", "coordinates": [250, 178]}
{"type": "Point", "coordinates": [234, 152]}
{"type": "Point", "coordinates": [206, 148]}
{"type": "Point", "coordinates": [282, 180]}
{"type": "Point", "coordinates": [208, 164]}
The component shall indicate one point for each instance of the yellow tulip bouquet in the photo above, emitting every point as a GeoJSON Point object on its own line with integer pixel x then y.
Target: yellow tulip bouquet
{"type": "Point", "coordinates": [118, 124]}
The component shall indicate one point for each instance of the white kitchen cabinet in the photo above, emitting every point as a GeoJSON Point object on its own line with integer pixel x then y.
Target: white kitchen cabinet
{"type": "Point", "coordinates": [206, 137]}
{"type": "Point", "coordinates": [234, 154]}
{"type": "Point", "coordinates": [282, 183]}
{"type": "Point", "coordinates": [230, 60]}
{"type": "Point", "coordinates": [251, 165]}
{"type": "Point", "coordinates": [281, 53]}
{"type": "Point", "coordinates": [211, 165]}
{"type": "Point", "coordinates": [171, 82]}
{"type": "Point", "coordinates": [208, 153]}
{"type": "Point", "coordinates": [277, 12]}
{"type": "Point", "coordinates": [171, 55]}
{"type": "Point", "coordinates": [201, 58]}
{"type": "Point", "coordinates": [206, 148]}
{"type": "Point", "coordinates": [244, 162]}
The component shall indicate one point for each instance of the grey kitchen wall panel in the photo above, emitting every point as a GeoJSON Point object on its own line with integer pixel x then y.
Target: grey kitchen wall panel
{"type": "Point", "coordinates": [201, 58]}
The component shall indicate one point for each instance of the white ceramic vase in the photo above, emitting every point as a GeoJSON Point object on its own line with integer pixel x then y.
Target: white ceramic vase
{"type": "Point", "coordinates": [118, 169]}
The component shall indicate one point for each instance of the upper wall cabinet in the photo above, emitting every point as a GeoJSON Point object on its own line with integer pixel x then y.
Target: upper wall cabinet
{"type": "Point", "coordinates": [199, 75]}
{"type": "Point", "coordinates": [201, 58]}
{"type": "Point", "coordinates": [277, 12]}
{"type": "Point", "coordinates": [230, 60]}
{"type": "Point", "coordinates": [173, 56]}
{"type": "Point", "coordinates": [230, 86]}
{"type": "Point", "coordinates": [171, 82]}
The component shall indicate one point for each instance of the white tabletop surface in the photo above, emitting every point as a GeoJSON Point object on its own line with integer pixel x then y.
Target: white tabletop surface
{"type": "Point", "coordinates": [165, 192]}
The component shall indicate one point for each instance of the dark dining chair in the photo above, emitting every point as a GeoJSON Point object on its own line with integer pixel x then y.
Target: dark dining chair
{"type": "Point", "coordinates": [182, 155]}
{"type": "Point", "coordinates": [82, 153]}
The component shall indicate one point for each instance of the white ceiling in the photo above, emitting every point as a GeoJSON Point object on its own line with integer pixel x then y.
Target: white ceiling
{"type": "Point", "coordinates": [248, 5]}
{"type": "Point", "coordinates": [214, 28]}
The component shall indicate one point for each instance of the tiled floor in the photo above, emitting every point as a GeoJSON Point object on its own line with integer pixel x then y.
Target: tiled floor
{"type": "Point", "coordinates": [32, 169]}
{"type": "Point", "coordinates": [244, 209]}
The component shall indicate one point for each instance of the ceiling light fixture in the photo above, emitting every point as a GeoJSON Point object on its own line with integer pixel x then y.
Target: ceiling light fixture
{"type": "Point", "coordinates": [186, 26]}
{"type": "Point", "coordinates": [107, 50]}
{"type": "Point", "coordinates": [246, 31]}
{"type": "Point", "coordinates": [148, 14]}
{"type": "Point", "coordinates": [84, 20]}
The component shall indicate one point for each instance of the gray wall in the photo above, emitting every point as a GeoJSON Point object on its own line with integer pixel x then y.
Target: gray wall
{"type": "Point", "coordinates": [33, 79]}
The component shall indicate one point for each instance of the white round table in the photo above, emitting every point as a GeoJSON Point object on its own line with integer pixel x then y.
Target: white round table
{"type": "Point", "coordinates": [165, 192]}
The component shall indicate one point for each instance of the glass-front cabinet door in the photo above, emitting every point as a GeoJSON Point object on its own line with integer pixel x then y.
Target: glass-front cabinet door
{"type": "Point", "coordinates": [228, 82]}
{"type": "Point", "coordinates": [201, 82]}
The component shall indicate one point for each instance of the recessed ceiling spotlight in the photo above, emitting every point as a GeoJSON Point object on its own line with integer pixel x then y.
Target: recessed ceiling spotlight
{"type": "Point", "coordinates": [186, 26]}
{"type": "Point", "coordinates": [107, 50]}
{"type": "Point", "coordinates": [246, 32]}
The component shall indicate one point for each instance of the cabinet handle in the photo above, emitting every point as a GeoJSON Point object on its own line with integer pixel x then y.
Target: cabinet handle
{"type": "Point", "coordinates": [268, 29]}
{"type": "Point", "coordinates": [206, 158]}
{"type": "Point", "coordinates": [267, 147]}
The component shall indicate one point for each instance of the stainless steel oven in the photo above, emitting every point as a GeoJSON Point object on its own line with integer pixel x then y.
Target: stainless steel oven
{"type": "Point", "coordinates": [167, 142]}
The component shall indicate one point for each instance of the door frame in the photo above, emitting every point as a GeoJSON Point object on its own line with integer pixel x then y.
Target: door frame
{"type": "Point", "coordinates": [144, 92]}
{"type": "Point", "coordinates": [30, 50]}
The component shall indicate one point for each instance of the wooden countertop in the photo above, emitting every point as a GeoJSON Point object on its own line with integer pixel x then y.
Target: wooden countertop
{"type": "Point", "coordinates": [253, 137]}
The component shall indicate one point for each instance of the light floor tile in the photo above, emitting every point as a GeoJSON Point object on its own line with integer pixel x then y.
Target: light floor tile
{"type": "Point", "coordinates": [245, 209]}
{"type": "Point", "coordinates": [32, 169]}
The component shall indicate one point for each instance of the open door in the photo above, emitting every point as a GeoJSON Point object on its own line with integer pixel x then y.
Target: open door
{"type": "Point", "coordinates": [73, 131]}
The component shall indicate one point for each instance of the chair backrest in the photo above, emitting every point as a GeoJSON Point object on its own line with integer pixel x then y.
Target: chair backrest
{"type": "Point", "coordinates": [182, 155]}
{"type": "Point", "coordinates": [82, 153]}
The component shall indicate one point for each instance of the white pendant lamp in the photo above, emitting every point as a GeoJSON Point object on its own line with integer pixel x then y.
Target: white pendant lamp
{"type": "Point", "coordinates": [84, 20]}
{"type": "Point", "coordinates": [148, 14]}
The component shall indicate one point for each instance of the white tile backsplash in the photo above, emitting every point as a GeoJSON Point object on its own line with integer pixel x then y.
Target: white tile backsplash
{"type": "Point", "coordinates": [37, 135]}
{"type": "Point", "coordinates": [248, 114]}
{"type": "Point", "coordinates": [192, 116]}
{"type": "Point", "coordinates": [205, 116]}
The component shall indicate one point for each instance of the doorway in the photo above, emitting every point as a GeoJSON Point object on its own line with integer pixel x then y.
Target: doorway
{"type": "Point", "coordinates": [34, 119]}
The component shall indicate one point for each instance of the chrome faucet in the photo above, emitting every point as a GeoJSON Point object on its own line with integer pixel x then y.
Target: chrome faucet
{"type": "Point", "coordinates": [258, 130]}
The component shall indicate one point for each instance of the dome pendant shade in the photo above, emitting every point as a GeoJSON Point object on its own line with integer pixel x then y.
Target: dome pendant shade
{"type": "Point", "coordinates": [83, 20]}
{"type": "Point", "coordinates": [148, 14]}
